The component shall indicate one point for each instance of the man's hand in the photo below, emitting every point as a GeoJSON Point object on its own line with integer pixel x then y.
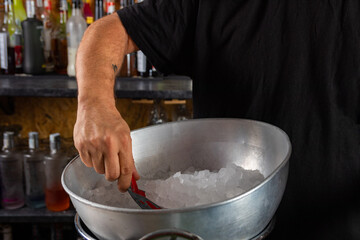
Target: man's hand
{"type": "Point", "coordinates": [103, 140]}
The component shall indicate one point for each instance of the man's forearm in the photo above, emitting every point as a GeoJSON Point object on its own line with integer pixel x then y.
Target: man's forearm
{"type": "Point", "coordinates": [99, 58]}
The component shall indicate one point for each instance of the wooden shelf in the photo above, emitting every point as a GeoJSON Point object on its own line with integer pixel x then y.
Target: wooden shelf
{"type": "Point", "coordinates": [168, 87]}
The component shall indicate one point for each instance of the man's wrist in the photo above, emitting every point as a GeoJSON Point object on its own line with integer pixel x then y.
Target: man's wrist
{"type": "Point", "coordinates": [95, 99]}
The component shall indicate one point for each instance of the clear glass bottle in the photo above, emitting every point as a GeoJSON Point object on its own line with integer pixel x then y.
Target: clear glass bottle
{"type": "Point", "coordinates": [75, 29]}
{"type": "Point", "coordinates": [34, 171]}
{"type": "Point", "coordinates": [56, 198]}
{"type": "Point", "coordinates": [99, 9]}
{"type": "Point", "coordinates": [11, 28]}
{"type": "Point", "coordinates": [4, 41]}
{"type": "Point", "coordinates": [47, 29]}
{"type": "Point", "coordinates": [15, 38]}
{"type": "Point", "coordinates": [128, 68]}
{"type": "Point", "coordinates": [34, 62]}
{"type": "Point", "coordinates": [19, 15]}
{"type": "Point", "coordinates": [142, 64]}
{"type": "Point", "coordinates": [11, 174]}
{"type": "Point", "coordinates": [59, 40]}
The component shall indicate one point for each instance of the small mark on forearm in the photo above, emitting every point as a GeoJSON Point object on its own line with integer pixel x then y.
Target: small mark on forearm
{"type": "Point", "coordinates": [114, 67]}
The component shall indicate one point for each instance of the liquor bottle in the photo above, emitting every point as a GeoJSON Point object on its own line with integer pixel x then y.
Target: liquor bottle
{"type": "Point", "coordinates": [99, 9]}
{"type": "Point", "coordinates": [59, 40]}
{"type": "Point", "coordinates": [47, 28]}
{"type": "Point", "coordinates": [34, 171]}
{"type": "Point", "coordinates": [5, 62]}
{"type": "Point", "coordinates": [15, 58]}
{"type": "Point", "coordinates": [128, 68]}
{"type": "Point", "coordinates": [89, 17]}
{"type": "Point", "coordinates": [110, 7]}
{"type": "Point", "coordinates": [143, 65]}
{"type": "Point", "coordinates": [56, 198]}
{"type": "Point", "coordinates": [75, 29]}
{"type": "Point", "coordinates": [11, 174]}
{"type": "Point", "coordinates": [34, 62]}
{"type": "Point", "coordinates": [20, 13]}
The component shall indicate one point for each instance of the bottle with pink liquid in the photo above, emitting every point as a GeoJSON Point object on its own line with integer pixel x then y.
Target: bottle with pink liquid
{"type": "Point", "coordinates": [11, 174]}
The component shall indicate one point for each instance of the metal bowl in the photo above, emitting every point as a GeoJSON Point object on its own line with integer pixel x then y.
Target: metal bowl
{"type": "Point", "coordinates": [205, 144]}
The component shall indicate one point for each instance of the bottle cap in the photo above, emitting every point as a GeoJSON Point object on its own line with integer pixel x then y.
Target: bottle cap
{"type": "Point", "coordinates": [63, 5]}
{"type": "Point", "coordinates": [33, 140]}
{"type": "Point", "coordinates": [54, 142]}
{"type": "Point", "coordinates": [8, 140]}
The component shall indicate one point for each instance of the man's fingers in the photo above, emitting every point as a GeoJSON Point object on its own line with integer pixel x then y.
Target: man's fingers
{"type": "Point", "coordinates": [124, 182]}
{"type": "Point", "coordinates": [98, 162]}
{"type": "Point", "coordinates": [126, 170]}
{"type": "Point", "coordinates": [85, 157]}
{"type": "Point", "coordinates": [135, 172]}
{"type": "Point", "coordinates": [112, 167]}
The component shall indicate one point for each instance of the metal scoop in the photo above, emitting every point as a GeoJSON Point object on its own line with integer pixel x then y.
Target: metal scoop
{"type": "Point", "coordinates": [140, 197]}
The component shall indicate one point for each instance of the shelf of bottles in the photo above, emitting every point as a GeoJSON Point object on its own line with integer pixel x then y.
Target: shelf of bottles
{"type": "Point", "coordinates": [42, 36]}
{"type": "Point", "coordinates": [30, 180]}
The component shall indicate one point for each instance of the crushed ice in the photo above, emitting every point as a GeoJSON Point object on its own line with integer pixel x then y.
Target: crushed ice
{"type": "Point", "coordinates": [181, 189]}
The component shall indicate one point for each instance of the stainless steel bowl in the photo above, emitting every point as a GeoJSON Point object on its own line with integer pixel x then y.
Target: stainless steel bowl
{"type": "Point", "coordinates": [202, 143]}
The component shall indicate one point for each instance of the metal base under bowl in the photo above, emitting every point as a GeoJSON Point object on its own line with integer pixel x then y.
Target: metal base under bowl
{"type": "Point", "coordinates": [86, 234]}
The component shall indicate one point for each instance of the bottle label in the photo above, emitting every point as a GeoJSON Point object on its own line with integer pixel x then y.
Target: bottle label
{"type": "Point", "coordinates": [3, 51]}
{"type": "Point", "coordinates": [71, 61]}
{"type": "Point", "coordinates": [18, 56]}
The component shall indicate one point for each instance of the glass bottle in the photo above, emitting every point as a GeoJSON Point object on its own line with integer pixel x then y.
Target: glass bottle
{"type": "Point", "coordinates": [89, 17]}
{"type": "Point", "coordinates": [56, 198]}
{"type": "Point", "coordinates": [34, 170]}
{"type": "Point", "coordinates": [99, 9]}
{"type": "Point", "coordinates": [47, 28]}
{"type": "Point", "coordinates": [4, 42]}
{"type": "Point", "coordinates": [11, 174]}
{"type": "Point", "coordinates": [20, 13]}
{"type": "Point", "coordinates": [143, 65]}
{"type": "Point", "coordinates": [75, 29]}
{"type": "Point", "coordinates": [59, 40]}
{"type": "Point", "coordinates": [11, 38]}
{"type": "Point", "coordinates": [110, 7]}
{"type": "Point", "coordinates": [15, 38]}
{"type": "Point", "coordinates": [128, 68]}
{"type": "Point", "coordinates": [34, 62]}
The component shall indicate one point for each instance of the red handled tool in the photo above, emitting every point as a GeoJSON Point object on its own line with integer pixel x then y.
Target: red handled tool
{"type": "Point", "coordinates": [140, 197]}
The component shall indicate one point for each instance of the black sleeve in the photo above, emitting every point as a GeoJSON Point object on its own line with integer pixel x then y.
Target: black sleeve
{"type": "Point", "coordinates": [164, 30]}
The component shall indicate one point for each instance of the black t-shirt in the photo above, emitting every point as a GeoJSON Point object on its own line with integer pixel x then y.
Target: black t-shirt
{"type": "Point", "coordinates": [294, 64]}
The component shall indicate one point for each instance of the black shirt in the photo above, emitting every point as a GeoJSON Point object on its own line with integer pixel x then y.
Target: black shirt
{"type": "Point", "coordinates": [294, 64]}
